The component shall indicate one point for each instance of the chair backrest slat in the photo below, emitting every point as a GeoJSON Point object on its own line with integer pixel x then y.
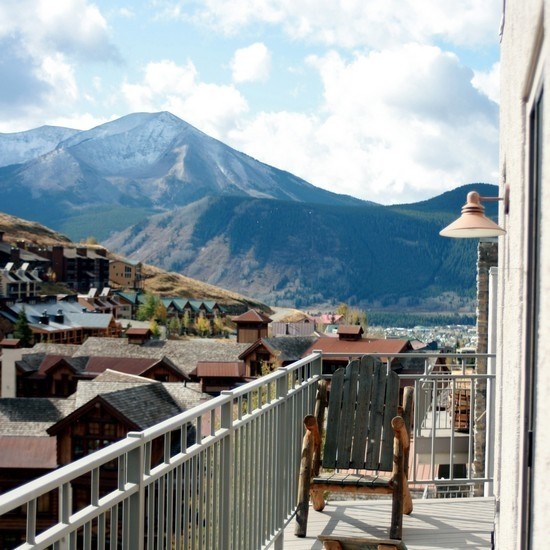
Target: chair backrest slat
{"type": "Point", "coordinates": [333, 418]}
{"type": "Point", "coordinates": [392, 396]}
{"type": "Point", "coordinates": [347, 415]}
{"type": "Point", "coordinates": [361, 427]}
{"type": "Point", "coordinates": [376, 418]}
{"type": "Point", "coordinates": [363, 400]}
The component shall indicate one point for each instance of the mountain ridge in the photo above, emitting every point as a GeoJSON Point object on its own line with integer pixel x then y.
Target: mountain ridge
{"type": "Point", "coordinates": [154, 188]}
{"type": "Point", "coordinates": [153, 161]}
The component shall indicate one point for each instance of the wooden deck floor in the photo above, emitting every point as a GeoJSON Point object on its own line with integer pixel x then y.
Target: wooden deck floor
{"type": "Point", "coordinates": [435, 524]}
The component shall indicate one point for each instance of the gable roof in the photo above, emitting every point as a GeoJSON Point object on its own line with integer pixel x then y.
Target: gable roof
{"type": "Point", "coordinates": [130, 365]}
{"type": "Point", "coordinates": [139, 405]}
{"type": "Point", "coordinates": [252, 316]}
{"type": "Point", "coordinates": [138, 366]}
{"type": "Point", "coordinates": [351, 330]}
{"type": "Point", "coordinates": [184, 354]}
{"type": "Point", "coordinates": [286, 348]}
{"type": "Point", "coordinates": [362, 346]}
{"type": "Point", "coordinates": [50, 362]}
{"type": "Point", "coordinates": [136, 331]}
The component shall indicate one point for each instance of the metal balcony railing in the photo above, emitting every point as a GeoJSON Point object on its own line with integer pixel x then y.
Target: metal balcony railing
{"type": "Point", "coordinates": [223, 475]}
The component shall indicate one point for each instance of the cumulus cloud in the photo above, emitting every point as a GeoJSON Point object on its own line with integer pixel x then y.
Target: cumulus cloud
{"type": "Point", "coordinates": [488, 82]}
{"type": "Point", "coordinates": [177, 88]}
{"type": "Point", "coordinates": [357, 23]}
{"type": "Point", "coordinates": [73, 28]}
{"type": "Point", "coordinates": [251, 64]}
{"type": "Point", "coordinates": [392, 120]}
{"type": "Point", "coordinates": [41, 43]}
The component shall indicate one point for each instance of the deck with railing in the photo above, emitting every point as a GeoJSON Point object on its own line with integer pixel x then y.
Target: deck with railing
{"type": "Point", "coordinates": [223, 475]}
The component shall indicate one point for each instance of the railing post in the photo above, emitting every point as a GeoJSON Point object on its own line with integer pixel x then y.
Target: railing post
{"type": "Point", "coordinates": [317, 364]}
{"type": "Point", "coordinates": [136, 503]}
{"type": "Point", "coordinates": [281, 484]}
{"type": "Point", "coordinates": [227, 453]}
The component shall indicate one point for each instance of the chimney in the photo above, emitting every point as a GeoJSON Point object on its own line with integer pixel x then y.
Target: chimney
{"type": "Point", "coordinates": [59, 317]}
{"type": "Point", "coordinates": [44, 319]}
{"type": "Point", "coordinates": [15, 254]}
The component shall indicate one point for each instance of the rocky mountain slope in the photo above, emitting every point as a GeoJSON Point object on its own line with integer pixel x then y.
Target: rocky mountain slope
{"type": "Point", "coordinates": [156, 280]}
{"type": "Point", "coordinates": [303, 254]}
{"type": "Point", "coordinates": [128, 168]}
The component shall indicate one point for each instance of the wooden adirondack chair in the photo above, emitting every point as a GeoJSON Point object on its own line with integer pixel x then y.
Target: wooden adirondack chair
{"type": "Point", "coordinates": [366, 433]}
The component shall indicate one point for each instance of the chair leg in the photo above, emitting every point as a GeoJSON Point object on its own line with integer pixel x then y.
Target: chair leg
{"type": "Point", "coordinates": [407, 498]}
{"type": "Point", "coordinates": [317, 500]}
{"type": "Point", "coordinates": [302, 505]}
{"type": "Point", "coordinates": [396, 516]}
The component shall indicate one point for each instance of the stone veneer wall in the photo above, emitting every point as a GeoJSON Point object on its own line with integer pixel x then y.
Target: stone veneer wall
{"type": "Point", "coordinates": [487, 257]}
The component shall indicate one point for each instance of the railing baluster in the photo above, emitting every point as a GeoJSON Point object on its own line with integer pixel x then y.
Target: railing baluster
{"type": "Point", "coordinates": [31, 521]}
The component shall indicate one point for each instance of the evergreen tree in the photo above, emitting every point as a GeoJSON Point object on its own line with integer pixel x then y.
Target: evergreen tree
{"type": "Point", "coordinates": [21, 330]}
{"type": "Point", "coordinates": [148, 308]}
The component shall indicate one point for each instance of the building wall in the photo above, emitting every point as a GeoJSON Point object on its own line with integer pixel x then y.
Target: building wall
{"type": "Point", "coordinates": [522, 55]}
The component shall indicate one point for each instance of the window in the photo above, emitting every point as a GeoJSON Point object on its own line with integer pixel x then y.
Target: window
{"type": "Point", "coordinates": [95, 431]}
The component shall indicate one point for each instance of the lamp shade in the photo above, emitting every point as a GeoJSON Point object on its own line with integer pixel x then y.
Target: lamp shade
{"type": "Point", "coordinates": [473, 223]}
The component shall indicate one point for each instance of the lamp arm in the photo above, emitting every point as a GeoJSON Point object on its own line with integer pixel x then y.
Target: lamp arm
{"type": "Point", "coordinates": [505, 198]}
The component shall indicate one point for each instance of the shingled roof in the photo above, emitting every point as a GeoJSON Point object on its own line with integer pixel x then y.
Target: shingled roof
{"type": "Point", "coordinates": [362, 346]}
{"type": "Point", "coordinates": [183, 353]}
{"type": "Point", "coordinates": [31, 416]}
{"type": "Point", "coordinates": [286, 348]}
{"type": "Point", "coordinates": [142, 405]}
{"type": "Point", "coordinates": [252, 316]}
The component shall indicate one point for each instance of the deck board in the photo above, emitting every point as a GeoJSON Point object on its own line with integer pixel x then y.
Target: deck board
{"type": "Point", "coordinates": [435, 524]}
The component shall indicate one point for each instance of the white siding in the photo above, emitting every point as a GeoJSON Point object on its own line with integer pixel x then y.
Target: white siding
{"type": "Point", "coordinates": [522, 75]}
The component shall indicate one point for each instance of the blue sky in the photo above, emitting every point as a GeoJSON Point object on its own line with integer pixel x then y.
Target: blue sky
{"type": "Point", "coordinates": [391, 101]}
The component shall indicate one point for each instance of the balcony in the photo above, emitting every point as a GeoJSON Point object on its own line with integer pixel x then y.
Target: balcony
{"type": "Point", "coordinates": [224, 475]}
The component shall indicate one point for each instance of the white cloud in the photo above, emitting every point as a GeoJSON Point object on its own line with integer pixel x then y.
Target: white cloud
{"type": "Point", "coordinates": [41, 42]}
{"type": "Point", "coordinates": [251, 64]}
{"type": "Point", "coordinates": [488, 82]}
{"type": "Point", "coordinates": [167, 86]}
{"type": "Point", "coordinates": [391, 121]}
{"type": "Point", "coordinates": [355, 23]}
{"type": "Point", "coordinates": [74, 28]}
{"type": "Point", "coordinates": [60, 76]}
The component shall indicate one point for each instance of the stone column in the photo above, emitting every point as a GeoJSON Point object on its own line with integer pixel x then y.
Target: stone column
{"type": "Point", "coordinates": [487, 257]}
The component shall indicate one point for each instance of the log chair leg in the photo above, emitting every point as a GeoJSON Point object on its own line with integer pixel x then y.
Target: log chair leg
{"type": "Point", "coordinates": [317, 500]}
{"type": "Point", "coordinates": [407, 498]}
{"type": "Point", "coordinates": [302, 505]}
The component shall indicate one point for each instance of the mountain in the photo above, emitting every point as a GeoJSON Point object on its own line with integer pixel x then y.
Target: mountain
{"type": "Point", "coordinates": [156, 189]}
{"type": "Point", "coordinates": [127, 169]}
{"type": "Point", "coordinates": [21, 147]}
{"type": "Point", "coordinates": [289, 253]}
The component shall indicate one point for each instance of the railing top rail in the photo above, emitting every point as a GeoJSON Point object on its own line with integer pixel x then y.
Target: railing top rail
{"type": "Point", "coordinates": [53, 480]}
{"type": "Point", "coordinates": [416, 355]}
{"type": "Point", "coordinates": [224, 398]}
